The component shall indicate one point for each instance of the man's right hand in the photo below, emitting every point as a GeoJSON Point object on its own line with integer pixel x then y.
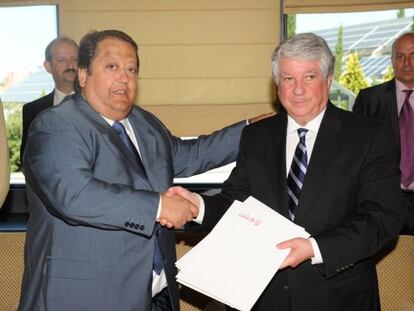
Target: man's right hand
{"type": "Point", "coordinates": [176, 211]}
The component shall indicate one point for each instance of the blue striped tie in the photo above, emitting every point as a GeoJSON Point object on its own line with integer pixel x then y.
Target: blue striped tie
{"type": "Point", "coordinates": [297, 172]}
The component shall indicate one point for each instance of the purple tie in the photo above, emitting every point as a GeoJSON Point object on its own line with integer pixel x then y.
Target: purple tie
{"type": "Point", "coordinates": [407, 141]}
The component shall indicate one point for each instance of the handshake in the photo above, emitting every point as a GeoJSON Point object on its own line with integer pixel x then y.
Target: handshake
{"type": "Point", "coordinates": [178, 206]}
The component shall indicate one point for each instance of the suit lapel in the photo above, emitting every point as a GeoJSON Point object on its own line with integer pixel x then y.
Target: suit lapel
{"type": "Point", "coordinates": [146, 141]}
{"type": "Point", "coordinates": [276, 161]}
{"type": "Point", "coordinates": [392, 107]}
{"type": "Point", "coordinates": [327, 144]}
{"type": "Point", "coordinates": [109, 136]}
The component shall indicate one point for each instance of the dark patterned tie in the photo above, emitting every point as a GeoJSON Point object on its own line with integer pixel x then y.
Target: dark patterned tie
{"type": "Point", "coordinates": [297, 172]}
{"type": "Point", "coordinates": [120, 130]}
{"type": "Point", "coordinates": [407, 141]}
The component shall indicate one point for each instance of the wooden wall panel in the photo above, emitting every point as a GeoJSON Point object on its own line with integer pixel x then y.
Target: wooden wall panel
{"type": "Point", "coordinates": [203, 55]}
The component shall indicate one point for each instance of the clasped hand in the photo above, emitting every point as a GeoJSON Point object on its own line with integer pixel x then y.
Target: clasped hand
{"type": "Point", "coordinates": [178, 206]}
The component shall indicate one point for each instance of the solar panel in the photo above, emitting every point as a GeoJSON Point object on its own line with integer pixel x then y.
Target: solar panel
{"type": "Point", "coordinates": [367, 38]}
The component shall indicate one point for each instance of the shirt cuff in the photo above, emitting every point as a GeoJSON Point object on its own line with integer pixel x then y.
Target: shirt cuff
{"type": "Point", "coordinates": [159, 209]}
{"type": "Point", "coordinates": [201, 210]}
{"type": "Point", "coordinates": [317, 256]}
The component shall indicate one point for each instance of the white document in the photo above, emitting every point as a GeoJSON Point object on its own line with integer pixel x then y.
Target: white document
{"type": "Point", "coordinates": [238, 258]}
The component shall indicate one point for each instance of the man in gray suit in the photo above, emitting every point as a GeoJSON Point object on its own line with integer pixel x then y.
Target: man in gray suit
{"type": "Point", "coordinates": [97, 168]}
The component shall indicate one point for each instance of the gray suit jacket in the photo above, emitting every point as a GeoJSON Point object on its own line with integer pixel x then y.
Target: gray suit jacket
{"type": "Point", "coordinates": [91, 230]}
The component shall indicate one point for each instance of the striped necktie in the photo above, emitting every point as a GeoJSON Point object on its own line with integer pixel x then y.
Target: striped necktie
{"type": "Point", "coordinates": [297, 172]}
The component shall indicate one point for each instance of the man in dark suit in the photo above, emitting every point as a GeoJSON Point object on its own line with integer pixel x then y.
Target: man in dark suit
{"type": "Point", "coordinates": [61, 61]}
{"type": "Point", "coordinates": [333, 172]}
{"type": "Point", "coordinates": [97, 167]}
{"type": "Point", "coordinates": [386, 101]}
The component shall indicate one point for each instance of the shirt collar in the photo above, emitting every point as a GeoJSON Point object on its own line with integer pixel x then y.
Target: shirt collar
{"type": "Point", "coordinates": [399, 86]}
{"type": "Point", "coordinates": [59, 96]}
{"type": "Point", "coordinates": [125, 122]}
{"type": "Point", "coordinates": [313, 125]}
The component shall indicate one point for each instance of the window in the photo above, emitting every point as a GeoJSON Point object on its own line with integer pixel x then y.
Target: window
{"type": "Point", "coordinates": [25, 32]}
{"type": "Point", "coordinates": [361, 42]}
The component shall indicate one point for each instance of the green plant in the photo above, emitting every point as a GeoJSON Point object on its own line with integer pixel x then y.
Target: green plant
{"type": "Point", "coordinates": [13, 116]}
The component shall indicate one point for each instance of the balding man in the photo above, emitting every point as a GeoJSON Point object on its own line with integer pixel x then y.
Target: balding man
{"type": "Point", "coordinates": [61, 61]}
{"type": "Point", "coordinates": [393, 102]}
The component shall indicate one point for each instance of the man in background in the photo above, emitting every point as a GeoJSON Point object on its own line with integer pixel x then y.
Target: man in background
{"type": "Point", "coordinates": [332, 172]}
{"type": "Point", "coordinates": [393, 103]}
{"type": "Point", "coordinates": [61, 61]}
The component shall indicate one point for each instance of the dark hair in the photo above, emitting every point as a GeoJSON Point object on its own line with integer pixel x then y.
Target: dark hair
{"type": "Point", "coordinates": [88, 46]}
{"type": "Point", "coordinates": [48, 50]}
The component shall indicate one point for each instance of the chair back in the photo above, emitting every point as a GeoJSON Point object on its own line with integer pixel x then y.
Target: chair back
{"type": "Point", "coordinates": [395, 269]}
{"type": "Point", "coordinates": [11, 269]}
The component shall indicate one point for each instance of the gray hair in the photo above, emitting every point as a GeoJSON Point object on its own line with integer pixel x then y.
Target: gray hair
{"type": "Point", "coordinates": [48, 50]}
{"type": "Point", "coordinates": [394, 44]}
{"type": "Point", "coordinates": [304, 46]}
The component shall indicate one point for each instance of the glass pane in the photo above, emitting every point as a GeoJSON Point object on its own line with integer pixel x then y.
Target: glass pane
{"type": "Point", "coordinates": [25, 33]}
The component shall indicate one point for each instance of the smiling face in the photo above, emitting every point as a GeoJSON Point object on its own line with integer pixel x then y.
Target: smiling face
{"type": "Point", "coordinates": [110, 85]}
{"type": "Point", "coordinates": [403, 60]}
{"type": "Point", "coordinates": [302, 89]}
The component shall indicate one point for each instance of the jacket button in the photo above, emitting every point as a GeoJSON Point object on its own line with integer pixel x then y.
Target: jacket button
{"type": "Point", "coordinates": [141, 227]}
{"type": "Point", "coordinates": [126, 224]}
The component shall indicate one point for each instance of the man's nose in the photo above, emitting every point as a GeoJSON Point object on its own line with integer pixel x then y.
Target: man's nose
{"type": "Point", "coordinates": [73, 64]}
{"type": "Point", "coordinates": [298, 88]}
{"type": "Point", "coordinates": [408, 61]}
{"type": "Point", "coordinates": [123, 76]}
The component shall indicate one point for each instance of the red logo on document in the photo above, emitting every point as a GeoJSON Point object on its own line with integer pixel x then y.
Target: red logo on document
{"type": "Point", "coordinates": [254, 221]}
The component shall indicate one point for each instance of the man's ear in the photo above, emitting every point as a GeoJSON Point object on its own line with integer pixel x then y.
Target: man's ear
{"type": "Point", "coordinates": [47, 66]}
{"type": "Point", "coordinates": [82, 76]}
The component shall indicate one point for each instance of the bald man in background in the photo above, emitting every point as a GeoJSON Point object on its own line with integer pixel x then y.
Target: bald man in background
{"type": "Point", "coordinates": [392, 102]}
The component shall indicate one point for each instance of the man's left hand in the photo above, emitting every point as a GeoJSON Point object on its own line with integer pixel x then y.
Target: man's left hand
{"type": "Point", "coordinates": [300, 251]}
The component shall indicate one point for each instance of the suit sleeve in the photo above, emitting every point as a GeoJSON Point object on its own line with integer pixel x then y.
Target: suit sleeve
{"type": "Point", "coordinates": [378, 216]}
{"type": "Point", "coordinates": [236, 187]}
{"type": "Point", "coordinates": [359, 104]}
{"type": "Point", "coordinates": [195, 156]}
{"type": "Point", "coordinates": [59, 168]}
